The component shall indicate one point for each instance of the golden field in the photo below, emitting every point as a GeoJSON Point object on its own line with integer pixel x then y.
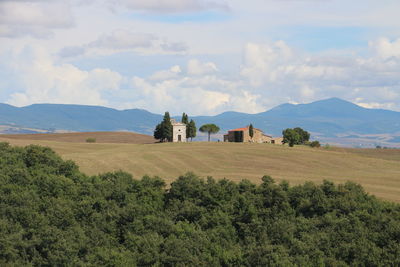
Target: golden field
{"type": "Point", "coordinates": [377, 170]}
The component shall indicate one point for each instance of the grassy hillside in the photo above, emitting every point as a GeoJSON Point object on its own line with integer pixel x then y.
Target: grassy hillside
{"type": "Point", "coordinates": [377, 170]}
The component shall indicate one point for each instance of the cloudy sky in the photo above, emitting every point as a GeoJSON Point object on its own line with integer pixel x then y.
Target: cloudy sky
{"type": "Point", "coordinates": [199, 56]}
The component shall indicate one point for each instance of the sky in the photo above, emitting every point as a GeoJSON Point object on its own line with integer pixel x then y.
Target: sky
{"type": "Point", "coordinates": [202, 57]}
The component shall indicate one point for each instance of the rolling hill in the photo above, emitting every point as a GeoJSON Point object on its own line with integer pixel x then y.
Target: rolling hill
{"type": "Point", "coordinates": [332, 120]}
{"type": "Point", "coordinates": [378, 170]}
{"type": "Point", "coordinates": [81, 137]}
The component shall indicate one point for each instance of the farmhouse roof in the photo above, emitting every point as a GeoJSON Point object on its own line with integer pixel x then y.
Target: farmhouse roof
{"type": "Point", "coordinates": [239, 129]}
{"type": "Point", "coordinates": [243, 129]}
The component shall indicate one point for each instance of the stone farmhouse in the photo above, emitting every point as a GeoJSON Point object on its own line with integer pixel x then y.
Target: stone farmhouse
{"type": "Point", "coordinates": [242, 135]}
{"type": "Point", "coordinates": [178, 131]}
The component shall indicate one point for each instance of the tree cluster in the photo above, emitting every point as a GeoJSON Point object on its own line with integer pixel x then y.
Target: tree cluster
{"type": "Point", "coordinates": [53, 215]}
{"type": "Point", "coordinates": [295, 136]}
{"type": "Point", "coordinates": [191, 129]}
{"type": "Point", "coordinates": [163, 131]}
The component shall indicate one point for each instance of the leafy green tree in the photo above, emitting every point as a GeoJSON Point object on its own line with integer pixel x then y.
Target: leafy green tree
{"type": "Point", "coordinates": [210, 129]}
{"type": "Point", "coordinates": [192, 130]}
{"type": "Point", "coordinates": [304, 135]}
{"type": "Point", "coordinates": [163, 130]}
{"type": "Point", "coordinates": [296, 136]}
{"type": "Point", "coordinates": [251, 131]}
{"type": "Point", "coordinates": [291, 137]}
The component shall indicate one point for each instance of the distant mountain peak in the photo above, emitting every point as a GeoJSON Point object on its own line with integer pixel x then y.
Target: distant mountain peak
{"type": "Point", "coordinates": [334, 100]}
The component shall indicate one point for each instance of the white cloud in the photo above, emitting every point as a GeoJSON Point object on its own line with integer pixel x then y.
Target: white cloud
{"type": "Point", "coordinates": [260, 61]}
{"type": "Point", "coordinates": [33, 18]}
{"type": "Point", "coordinates": [200, 94]}
{"type": "Point", "coordinates": [376, 105]}
{"type": "Point", "coordinates": [171, 73]}
{"type": "Point", "coordinates": [174, 47]}
{"type": "Point", "coordinates": [124, 40]}
{"type": "Point", "coordinates": [279, 75]}
{"type": "Point", "coordinates": [195, 67]}
{"type": "Point", "coordinates": [386, 48]}
{"type": "Point", "coordinates": [45, 82]}
{"type": "Point", "coordinates": [72, 51]}
{"type": "Point", "coordinates": [271, 74]}
{"type": "Point", "coordinates": [173, 6]}
{"type": "Point", "coordinates": [175, 96]}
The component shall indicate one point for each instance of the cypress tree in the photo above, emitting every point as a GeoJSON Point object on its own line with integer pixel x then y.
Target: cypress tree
{"type": "Point", "coordinates": [163, 130]}
{"type": "Point", "coordinates": [185, 118]}
{"type": "Point", "coordinates": [158, 132]}
{"type": "Point", "coordinates": [167, 127]}
{"type": "Point", "coordinates": [192, 130]}
{"type": "Point", "coordinates": [251, 131]}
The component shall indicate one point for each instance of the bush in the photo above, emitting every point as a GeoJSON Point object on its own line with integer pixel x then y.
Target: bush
{"type": "Point", "coordinates": [91, 140]}
{"type": "Point", "coordinates": [315, 144]}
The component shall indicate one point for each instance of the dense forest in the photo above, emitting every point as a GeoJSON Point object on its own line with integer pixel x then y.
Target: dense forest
{"type": "Point", "coordinates": [51, 214]}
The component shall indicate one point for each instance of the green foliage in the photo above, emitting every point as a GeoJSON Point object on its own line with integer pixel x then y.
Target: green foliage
{"type": "Point", "coordinates": [191, 130]}
{"type": "Point", "coordinates": [296, 136]}
{"type": "Point", "coordinates": [91, 140]}
{"type": "Point", "coordinates": [315, 144]}
{"type": "Point", "coordinates": [291, 137]}
{"type": "Point", "coordinates": [304, 135]}
{"type": "Point", "coordinates": [53, 215]}
{"type": "Point", "coordinates": [210, 129]}
{"type": "Point", "coordinates": [251, 131]}
{"type": "Point", "coordinates": [190, 126]}
{"type": "Point", "coordinates": [185, 118]}
{"type": "Point", "coordinates": [163, 130]}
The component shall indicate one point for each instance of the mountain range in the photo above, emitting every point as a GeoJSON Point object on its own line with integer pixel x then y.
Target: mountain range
{"type": "Point", "coordinates": [332, 120]}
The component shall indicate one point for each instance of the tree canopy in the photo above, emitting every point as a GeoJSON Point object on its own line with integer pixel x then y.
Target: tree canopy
{"type": "Point", "coordinates": [51, 214]}
{"type": "Point", "coordinates": [163, 130]}
{"type": "Point", "coordinates": [304, 135]}
{"type": "Point", "coordinates": [210, 129]}
{"type": "Point", "coordinates": [296, 136]}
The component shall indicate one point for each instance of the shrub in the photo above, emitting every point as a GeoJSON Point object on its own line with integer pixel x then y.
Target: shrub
{"type": "Point", "coordinates": [91, 140]}
{"type": "Point", "coordinates": [315, 144]}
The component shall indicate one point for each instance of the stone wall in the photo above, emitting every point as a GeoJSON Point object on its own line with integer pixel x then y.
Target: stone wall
{"type": "Point", "coordinates": [244, 136]}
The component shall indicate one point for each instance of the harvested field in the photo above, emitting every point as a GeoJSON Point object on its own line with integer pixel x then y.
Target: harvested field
{"type": "Point", "coordinates": [101, 137]}
{"type": "Point", "coordinates": [377, 170]}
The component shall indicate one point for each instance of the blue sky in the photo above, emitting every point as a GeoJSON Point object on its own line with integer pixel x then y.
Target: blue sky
{"type": "Point", "coordinates": [199, 57]}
